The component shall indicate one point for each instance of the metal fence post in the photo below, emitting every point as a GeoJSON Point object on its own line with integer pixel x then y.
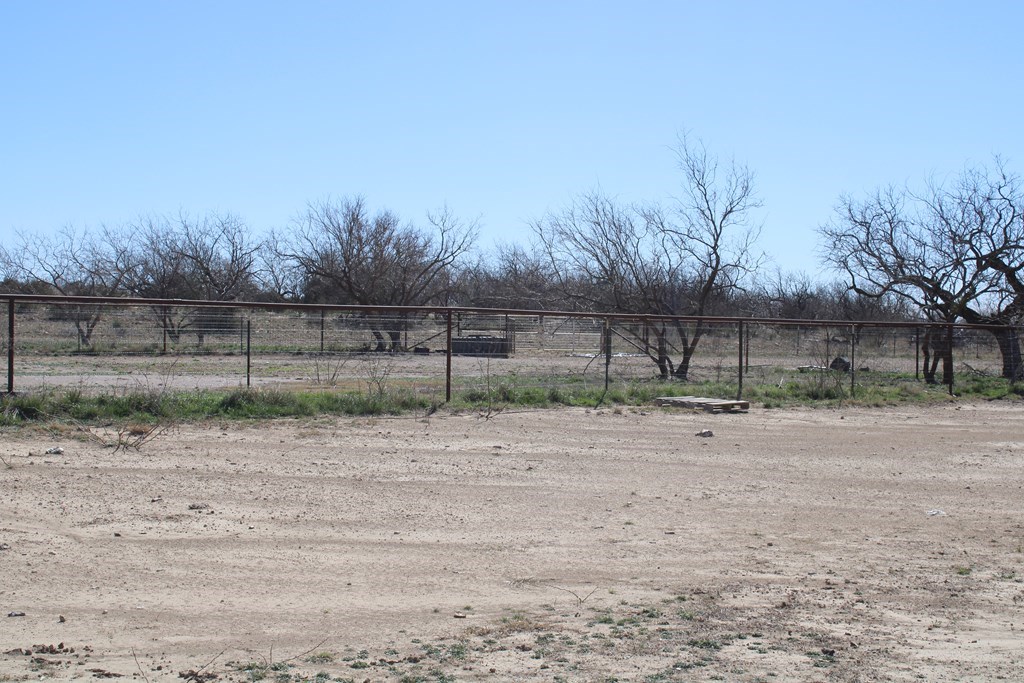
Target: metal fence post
{"type": "Point", "coordinates": [448, 359]}
{"type": "Point", "coordinates": [739, 367]}
{"type": "Point", "coordinates": [853, 361]}
{"type": "Point", "coordinates": [607, 350]}
{"type": "Point", "coordinates": [949, 356]}
{"type": "Point", "coordinates": [10, 346]}
{"type": "Point", "coordinates": [248, 353]}
{"type": "Point", "coordinates": [321, 330]}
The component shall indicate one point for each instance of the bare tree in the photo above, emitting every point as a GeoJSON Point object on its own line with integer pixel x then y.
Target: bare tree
{"type": "Point", "coordinates": [798, 296]}
{"type": "Point", "coordinates": [80, 263]}
{"type": "Point", "coordinates": [955, 251]}
{"type": "Point", "coordinates": [984, 209]}
{"type": "Point", "coordinates": [11, 272]}
{"type": "Point", "coordinates": [678, 260]}
{"type": "Point", "coordinates": [162, 273]}
{"type": "Point", "coordinates": [789, 295]}
{"type": "Point", "coordinates": [348, 256]}
{"type": "Point", "coordinates": [220, 253]}
{"type": "Point", "coordinates": [277, 279]}
{"type": "Point", "coordinates": [211, 258]}
{"type": "Point", "coordinates": [512, 277]}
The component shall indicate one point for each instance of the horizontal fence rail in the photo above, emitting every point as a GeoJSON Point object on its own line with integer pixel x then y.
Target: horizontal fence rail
{"type": "Point", "coordinates": [118, 344]}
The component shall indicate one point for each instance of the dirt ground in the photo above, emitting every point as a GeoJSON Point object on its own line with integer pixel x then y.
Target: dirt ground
{"type": "Point", "coordinates": [556, 545]}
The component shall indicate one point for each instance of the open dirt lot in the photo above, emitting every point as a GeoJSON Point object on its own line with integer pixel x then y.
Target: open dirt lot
{"type": "Point", "coordinates": [601, 545]}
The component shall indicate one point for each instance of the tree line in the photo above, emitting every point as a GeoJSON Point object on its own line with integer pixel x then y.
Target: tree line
{"type": "Point", "coordinates": [950, 252]}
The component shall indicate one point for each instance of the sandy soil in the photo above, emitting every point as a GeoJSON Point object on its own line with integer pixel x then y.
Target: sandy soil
{"type": "Point", "coordinates": [796, 545]}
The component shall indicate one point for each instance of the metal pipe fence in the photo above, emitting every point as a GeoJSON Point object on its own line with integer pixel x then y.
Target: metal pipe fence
{"type": "Point", "coordinates": [96, 345]}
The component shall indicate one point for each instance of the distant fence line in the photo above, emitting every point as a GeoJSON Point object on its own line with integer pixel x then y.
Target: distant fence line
{"type": "Point", "coordinates": [529, 347]}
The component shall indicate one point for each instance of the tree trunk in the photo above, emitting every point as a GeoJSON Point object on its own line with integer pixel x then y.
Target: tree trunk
{"type": "Point", "coordinates": [929, 367]}
{"type": "Point", "coordinates": [656, 349]}
{"type": "Point", "coordinates": [85, 329]}
{"type": "Point", "coordinates": [683, 369]}
{"type": "Point", "coordinates": [84, 318]}
{"type": "Point", "coordinates": [1007, 337]}
{"type": "Point", "coordinates": [1009, 348]}
{"type": "Point", "coordinates": [167, 322]}
{"type": "Point", "coordinates": [381, 344]}
{"type": "Point", "coordinates": [664, 364]}
{"type": "Point", "coordinates": [937, 346]}
{"type": "Point", "coordinates": [947, 359]}
{"type": "Point", "coordinates": [396, 340]}
{"type": "Point", "coordinates": [689, 344]}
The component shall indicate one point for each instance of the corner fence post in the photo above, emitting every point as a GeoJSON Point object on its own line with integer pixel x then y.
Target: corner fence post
{"type": "Point", "coordinates": [248, 353]}
{"type": "Point", "coordinates": [739, 366]}
{"type": "Point", "coordinates": [10, 346]}
{"type": "Point", "coordinates": [448, 358]}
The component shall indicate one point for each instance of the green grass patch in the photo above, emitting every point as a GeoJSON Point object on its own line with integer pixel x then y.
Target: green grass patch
{"type": "Point", "coordinates": [148, 407]}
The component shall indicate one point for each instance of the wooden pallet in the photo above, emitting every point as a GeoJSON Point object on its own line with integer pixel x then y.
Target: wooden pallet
{"type": "Point", "coordinates": [710, 405]}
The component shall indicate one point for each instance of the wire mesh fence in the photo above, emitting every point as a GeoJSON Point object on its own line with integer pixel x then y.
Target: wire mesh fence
{"type": "Point", "coordinates": [122, 345]}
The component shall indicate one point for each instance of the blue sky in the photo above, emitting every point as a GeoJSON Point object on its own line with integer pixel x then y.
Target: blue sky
{"type": "Point", "coordinates": [502, 111]}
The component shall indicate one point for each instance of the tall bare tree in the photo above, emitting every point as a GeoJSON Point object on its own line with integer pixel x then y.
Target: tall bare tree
{"type": "Point", "coordinates": [220, 252]}
{"type": "Point", "coordinates": [83, 263]}
{"type": "Point", "coordinates": [347, 255]}
{"type": "Point", "coordinates": [674, 260]}
{"type": "Point", "coordinates": [211, 257]}
{"type": "Point", "coordinates": [955, 251]}
{"type": "Point", "coordinates": [161, 274]}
